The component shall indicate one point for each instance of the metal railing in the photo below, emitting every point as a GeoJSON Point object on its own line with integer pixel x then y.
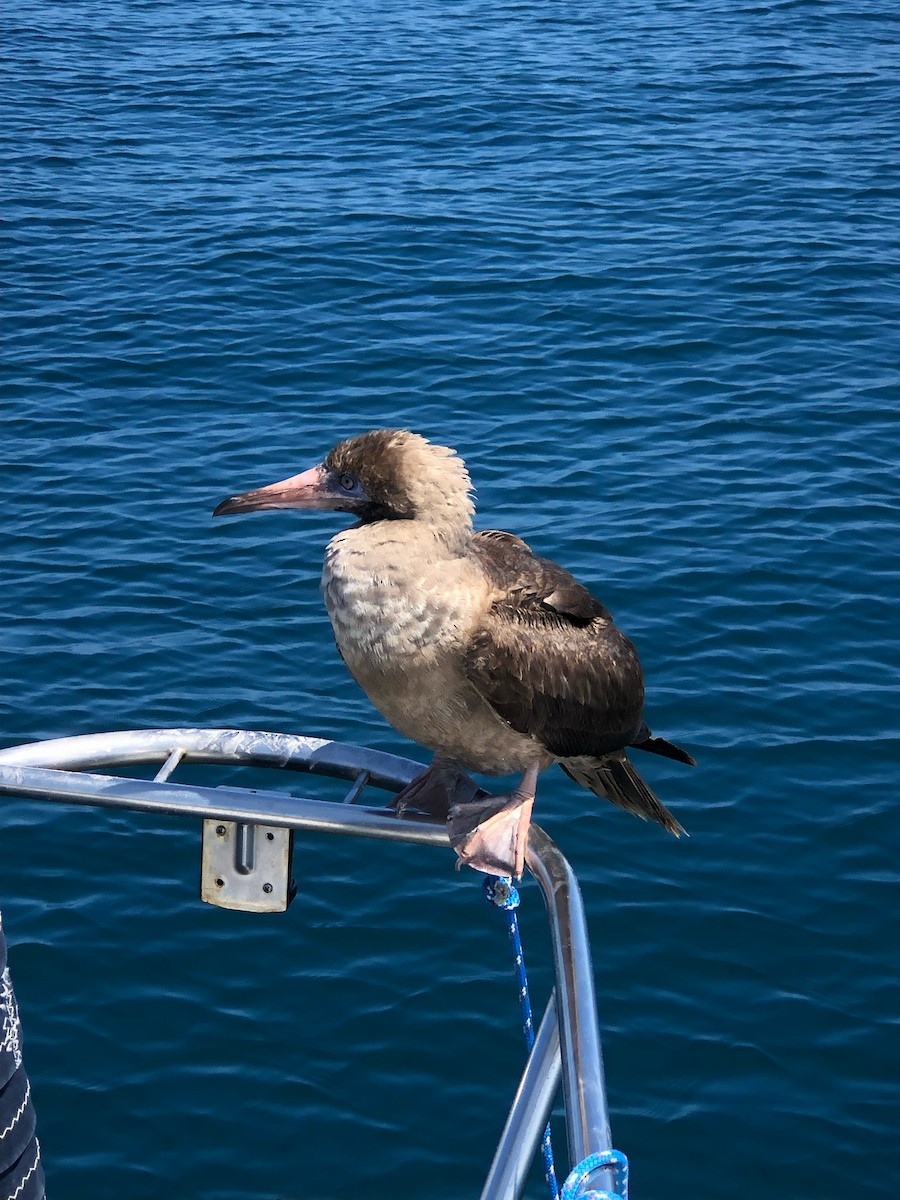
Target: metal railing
{"type": "Point", "coordinates": [568, 1039]}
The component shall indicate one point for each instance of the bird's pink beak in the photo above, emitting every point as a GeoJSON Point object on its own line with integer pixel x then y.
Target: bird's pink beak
{"type": "Point", "coordinates": [307, 490]}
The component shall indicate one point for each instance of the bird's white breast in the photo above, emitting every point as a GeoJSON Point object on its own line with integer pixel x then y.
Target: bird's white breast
{"type": "Point", "coordinates": [403, 613]}
{"type": "Point", "coordinates": [390, 600]}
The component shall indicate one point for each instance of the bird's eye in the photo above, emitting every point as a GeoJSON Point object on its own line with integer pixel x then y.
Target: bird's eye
{"type": "Point", "coordinates": [347, 482]}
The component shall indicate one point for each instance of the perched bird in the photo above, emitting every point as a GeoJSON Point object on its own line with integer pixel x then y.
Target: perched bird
{"type": "Point", "coordinates": [497, 660]}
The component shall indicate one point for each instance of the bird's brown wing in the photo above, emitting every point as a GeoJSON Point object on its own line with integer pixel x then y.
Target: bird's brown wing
{"type": "Point", "coordinates": [549, 658]}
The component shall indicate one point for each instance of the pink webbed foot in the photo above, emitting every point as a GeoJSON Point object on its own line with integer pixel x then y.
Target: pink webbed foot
{"type": "Point", "coordinates": [491, 835]}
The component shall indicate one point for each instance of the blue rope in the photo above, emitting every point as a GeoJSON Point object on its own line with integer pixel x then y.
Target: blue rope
{"type": "Point", "coordinates": [500, 892]}
{"type": "Point", "coordinates": [579, 1176]}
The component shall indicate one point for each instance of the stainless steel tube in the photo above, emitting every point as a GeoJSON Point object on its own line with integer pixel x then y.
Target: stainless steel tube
{"type": "Point", "coordinates": [237, 746]}
{"type": "Point", "coordinates": [587, 1115]}
{"type": "Point", "coordinates": [221, 803]}
{"type": "Point", "coordinates": [528, 1114]}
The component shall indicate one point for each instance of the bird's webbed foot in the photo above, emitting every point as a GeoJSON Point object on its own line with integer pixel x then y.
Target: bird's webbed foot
{"type": "Point", "coordinates": [436, 790]}
{"type": "Point", "coordinates": [491, 835]}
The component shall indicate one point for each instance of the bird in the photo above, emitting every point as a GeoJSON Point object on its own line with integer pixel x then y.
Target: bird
{"type": "Point", "coordinates": [497, 660]}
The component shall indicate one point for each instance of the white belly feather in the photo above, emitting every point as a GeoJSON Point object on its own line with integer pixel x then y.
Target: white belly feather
{"type": "Point", "coordinates": [402, 618]}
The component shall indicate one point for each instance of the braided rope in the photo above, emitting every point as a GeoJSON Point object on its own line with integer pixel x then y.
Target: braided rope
{"type": "Point", "coordinates": [500, 892]}
{"type": "Point", "coordinates": [580, 1174]}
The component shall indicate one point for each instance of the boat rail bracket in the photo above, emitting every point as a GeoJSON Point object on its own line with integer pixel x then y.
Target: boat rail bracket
{"type": "Point", "coordinates": [247, 867]}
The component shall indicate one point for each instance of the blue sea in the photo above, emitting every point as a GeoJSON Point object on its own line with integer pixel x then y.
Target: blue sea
{"type": "Point", "coordinates": [639, 262]}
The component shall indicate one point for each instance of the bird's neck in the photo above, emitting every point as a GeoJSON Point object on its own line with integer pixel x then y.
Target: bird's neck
{"type": "Point", "coordinates": [432, 541]}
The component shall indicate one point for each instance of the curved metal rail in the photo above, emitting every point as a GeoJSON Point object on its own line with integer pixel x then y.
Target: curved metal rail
{"type": "Point", "coordinates": [568, 1041]}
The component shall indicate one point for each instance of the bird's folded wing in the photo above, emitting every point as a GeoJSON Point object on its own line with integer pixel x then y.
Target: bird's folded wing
{"type": "Point", "coordinates": [548, 657]}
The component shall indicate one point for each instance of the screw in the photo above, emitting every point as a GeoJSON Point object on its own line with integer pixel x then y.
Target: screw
{"type": "Point", "coordinates": [270, 837]}
{"type": "Point", "coordinates": [267, 887]}
{"type": "Point", "coordinates": [220, 830]}
{"type": "Point", "coordinates": [220, 883]}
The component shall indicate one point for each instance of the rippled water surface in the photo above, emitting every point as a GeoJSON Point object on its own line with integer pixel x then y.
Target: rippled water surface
{"type": "Point", "coordinates": [639, 263]}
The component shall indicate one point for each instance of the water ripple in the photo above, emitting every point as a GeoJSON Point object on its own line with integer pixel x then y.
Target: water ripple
{"type": "Point", "coordinates": [639, 264]}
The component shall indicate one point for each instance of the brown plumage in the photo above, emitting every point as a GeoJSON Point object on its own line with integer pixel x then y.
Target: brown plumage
{"type": "Point", "coordinates": [468, 642]}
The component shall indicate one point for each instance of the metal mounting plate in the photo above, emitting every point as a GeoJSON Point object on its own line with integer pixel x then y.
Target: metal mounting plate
{"type": "Point", "coordinates": [247, 867]}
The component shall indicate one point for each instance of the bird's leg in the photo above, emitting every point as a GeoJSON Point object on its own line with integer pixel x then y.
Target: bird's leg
{"type": "Point", "coordinates": [434, 791]}
{"type": "Point", "coordinates": [492, 835]}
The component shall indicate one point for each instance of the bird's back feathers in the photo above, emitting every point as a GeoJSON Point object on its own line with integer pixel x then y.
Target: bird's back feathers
{"type": "Point", "coordinates": [548, 657]}
{"type": "Point", "coordinates": [550, 660]}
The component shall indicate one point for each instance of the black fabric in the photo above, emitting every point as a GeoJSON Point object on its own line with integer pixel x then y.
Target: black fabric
{"type": "Point", "coordinates": [21, 1173]}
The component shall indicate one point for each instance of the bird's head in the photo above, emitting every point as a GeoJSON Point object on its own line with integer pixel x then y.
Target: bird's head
{"type": "Point", "coordinates": [384, 475]}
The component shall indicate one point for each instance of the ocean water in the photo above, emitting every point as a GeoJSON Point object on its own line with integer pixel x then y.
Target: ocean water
{"type": "Point", "coordinates": [638, 262]}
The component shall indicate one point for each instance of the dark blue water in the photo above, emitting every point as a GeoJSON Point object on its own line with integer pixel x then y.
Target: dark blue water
{"type": "Point", "coordinates": [639, 263]}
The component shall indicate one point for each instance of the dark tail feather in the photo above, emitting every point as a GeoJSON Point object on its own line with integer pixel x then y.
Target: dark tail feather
{"type": "Point", "coordinates": [616, 779]}
{"type": "Point", "coordinates": [658, 745]}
